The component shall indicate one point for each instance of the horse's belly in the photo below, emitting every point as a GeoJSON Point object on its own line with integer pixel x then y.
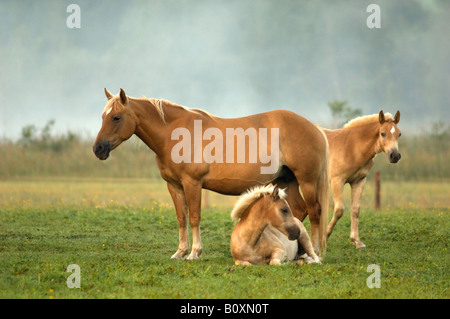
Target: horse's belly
{"type": "Point", "coordinates": [234, 180]}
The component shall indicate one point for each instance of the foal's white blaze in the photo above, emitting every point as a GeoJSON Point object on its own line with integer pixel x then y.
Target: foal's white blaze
{"type": "Point", "coordinates": [392, 130]}
{"type": "Point", "coordinates": [109, 110]}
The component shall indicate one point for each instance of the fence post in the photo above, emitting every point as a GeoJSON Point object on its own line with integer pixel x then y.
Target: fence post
{"type": "Point", "coordinates": [377, 190]}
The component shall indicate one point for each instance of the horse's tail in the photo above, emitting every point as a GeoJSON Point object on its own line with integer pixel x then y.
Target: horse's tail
{"type": "Point", "coordinates": [323, 189]}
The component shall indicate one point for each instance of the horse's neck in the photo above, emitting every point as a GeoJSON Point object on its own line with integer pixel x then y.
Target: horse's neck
{"type": "Point", "coordinates": [252, 225]}
{"type": "Point", "coordinates": [366, 139]}
{"type": "Point", "coordinates": [150, 128]}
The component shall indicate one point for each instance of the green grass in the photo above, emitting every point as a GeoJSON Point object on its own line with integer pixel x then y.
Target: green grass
{"type": "Point", "coordinates": [123, 249]}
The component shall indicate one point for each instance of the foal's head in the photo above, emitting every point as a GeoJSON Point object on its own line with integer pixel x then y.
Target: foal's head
{"type": "Point", "coordinates": [119, 124]}
{"type": "Point", "coordinates": [279, 214]}
{"type": "Point", "coordinates": [388, 136]}
{"type": "Point", "coordinates": [269, 205]}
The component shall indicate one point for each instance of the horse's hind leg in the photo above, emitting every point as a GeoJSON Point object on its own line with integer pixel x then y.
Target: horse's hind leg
{"type": "Point", "coordinates": [300, 209]}
{"type": "Point", "coordinates": [193, 192]}
{"type": "Point", "coordinates": [314, 211]}
{"type": "Point", "coordinates": [357, 189]}
{"type": "Point", "coordinates": [179, 201]}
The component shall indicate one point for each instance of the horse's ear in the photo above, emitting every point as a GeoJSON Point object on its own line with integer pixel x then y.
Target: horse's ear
{"type": "Point", "coordinates": [123, 97]}
{"type": "Point", "coordinates": [108, 95]}
{"type": "Point", "coordinates": [381, 117]}
{"type": "Point", "coordinates": [397, 117]}
{"type": "Point", "coordinates": [275, 193]}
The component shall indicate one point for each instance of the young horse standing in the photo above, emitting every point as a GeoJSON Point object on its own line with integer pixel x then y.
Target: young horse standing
{"type": "Point", "coordinates": [302, 159]}
{"type": "Point", "coordinates": [352, 150]}
{"type": "Point", "coordinates": [267, 232]}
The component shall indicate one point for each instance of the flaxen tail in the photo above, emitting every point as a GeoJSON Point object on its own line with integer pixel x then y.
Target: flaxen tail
{"type": "Point", "coordinates": [323, 189]}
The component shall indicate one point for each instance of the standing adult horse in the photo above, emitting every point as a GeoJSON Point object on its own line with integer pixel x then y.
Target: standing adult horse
{"type": "Point", "coordinates": [301, 149]}
{"type": "Point", "coordinates": [352, 150]}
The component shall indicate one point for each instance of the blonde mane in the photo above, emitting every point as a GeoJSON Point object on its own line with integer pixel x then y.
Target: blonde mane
{"type": "Point", "coordinates": [368, 119]}
{"type": "Point", "coordinates": [158, 104]}
{"type": "Point", "coordinates": [250, 196]}
{"type": "Point", "coordinates": [114, 104]}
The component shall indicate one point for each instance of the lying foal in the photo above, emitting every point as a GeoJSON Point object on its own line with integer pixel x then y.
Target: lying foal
{"type": "Point", "coordinates": [267, 232]}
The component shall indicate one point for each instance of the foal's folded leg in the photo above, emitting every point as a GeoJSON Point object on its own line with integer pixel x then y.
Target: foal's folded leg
{"type": "Point", "coordinates": [278, 256]}
{"type": "Point", "coordinates": [305, 243]}
{"type": "Point", "coordinates": [242, 262]}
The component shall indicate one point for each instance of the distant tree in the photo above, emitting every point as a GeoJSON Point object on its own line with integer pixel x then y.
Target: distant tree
{"type": "Point", "coordinates": [342, 113]}
{"type": "Point", "coordinates": [42, 139]}
{"type": "Point", "coordinates": [28, 135]}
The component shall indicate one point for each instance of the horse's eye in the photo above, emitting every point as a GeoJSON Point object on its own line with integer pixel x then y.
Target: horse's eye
{"type": "Point", "coordinates": [399, 134]}
{"type": "Point", "coordinates": [284, 210]}
{"type": "Point", "coordinates": [116, 118]}
{"type": "Point", "coordinates": [383, 134]}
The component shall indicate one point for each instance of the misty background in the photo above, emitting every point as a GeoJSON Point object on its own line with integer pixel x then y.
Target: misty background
{"type": "Point", "coordinates": [231, 58]}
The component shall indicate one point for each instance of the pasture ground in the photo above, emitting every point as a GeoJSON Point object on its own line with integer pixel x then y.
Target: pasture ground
{"type": "Point", "coordinates": [122, 232]}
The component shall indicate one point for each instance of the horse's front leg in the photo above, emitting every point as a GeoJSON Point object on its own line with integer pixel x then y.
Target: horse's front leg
{"type": "Point", "coordinates": [305, 243]}
{"type": "Point", "coordinates": [193, 192]}
{"type": "Point", "coordinates": [357, 190]}
{"type": "Point", "coordinates": [337, 187]}
{"type": "Point", "coordinates": [278, 256]}
{"type": "Point", "coordinates": [179, 200]}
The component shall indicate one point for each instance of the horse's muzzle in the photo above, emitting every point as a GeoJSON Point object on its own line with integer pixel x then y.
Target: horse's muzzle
{"type": "Point", "coordinates": [102, 149]}
{"type": "Point", "coordinates": [394, 157]}
{"type": "Point", "coordinates": [293, 232]}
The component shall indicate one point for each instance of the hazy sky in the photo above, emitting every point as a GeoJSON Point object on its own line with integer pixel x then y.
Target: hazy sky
{"type": "Point", "coordinates": [231, 58]}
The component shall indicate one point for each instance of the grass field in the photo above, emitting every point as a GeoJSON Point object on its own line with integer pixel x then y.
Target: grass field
{"type": "Point", "coordinates": [122, 232]}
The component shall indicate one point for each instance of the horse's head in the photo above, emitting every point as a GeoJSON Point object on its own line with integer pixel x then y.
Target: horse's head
{"type": "Point", "coordinates": [119, 124]}
{"type": "Point", "coordinates": [388, 136]}
{"type": "Point", "coordinates": [279, 214]}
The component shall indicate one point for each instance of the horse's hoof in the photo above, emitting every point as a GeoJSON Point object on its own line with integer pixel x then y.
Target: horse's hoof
{"type": "Point", "coordinates": [194, 255]}
{"type": "Point", "coordinates": [179, 255]}
{"type": "Point", "coordinates": [361, 245]}
{"type": "Point", "coordinates": [275, 262]}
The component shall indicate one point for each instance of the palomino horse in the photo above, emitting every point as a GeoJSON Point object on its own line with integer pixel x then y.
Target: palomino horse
{"type": "Point", "coordinates": [300, 147]}
{"type": "Point", "coordinates": [352, 150]}
{"type": "Point", "coordinates": [267, 232]}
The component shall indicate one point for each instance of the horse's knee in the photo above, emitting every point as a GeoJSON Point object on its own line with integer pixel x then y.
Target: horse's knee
{"type": "Point", "coordinates": [194, 220]}
{"type": "Point", "coordinates": [182, 221]}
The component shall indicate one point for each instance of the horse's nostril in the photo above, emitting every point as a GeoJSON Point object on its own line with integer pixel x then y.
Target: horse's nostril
{"type": "Point", "coordinates": [98, 148]}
